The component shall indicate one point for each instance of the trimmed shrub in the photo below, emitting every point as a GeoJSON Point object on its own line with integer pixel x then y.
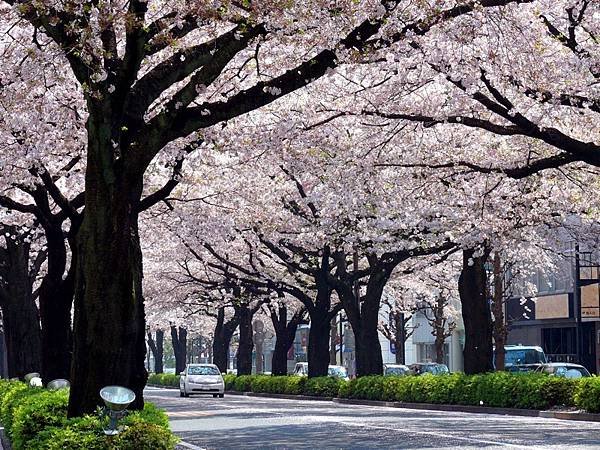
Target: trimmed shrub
{"type": "Point", "coordinates": [164, 379]}
{"type": "Point", "coordinates": [587, 394]}
{"type": "Point", "coordinates": [41, 410]}
{"type": "Point", "coordinates": [243, 383]}
{"type": "Point", "coordinates": [323, 386]}
{"type": "Point", "coordinates": [500, 389]}
{"type": "Point", "coordinates": [229, 379]}
{"type": "Point", "coordinates": [36, 419]}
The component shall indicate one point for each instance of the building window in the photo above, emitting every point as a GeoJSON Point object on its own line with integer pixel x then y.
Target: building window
{"type": "Point", "coordinates": [426, 353]}
{"type": "Point", "coordinates": [559, 344]}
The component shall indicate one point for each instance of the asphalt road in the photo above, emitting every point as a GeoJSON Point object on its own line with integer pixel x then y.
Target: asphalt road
{"type": "Point", "coordinates": [238, 422]}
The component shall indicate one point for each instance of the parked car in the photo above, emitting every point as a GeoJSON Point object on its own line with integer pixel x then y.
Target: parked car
{"type": "Point", "coordinates": [201, 379]}
{"type": "Point", "coordinates": [432, 368]}
{"type": "Point", "coordinates": [523, 358]}
{"type": "Point", "coordinates": [397, 370]}
{"type": "Point", "coordinates": [567, 370]}
{"type": "Point", "coordinates": [301, 369]}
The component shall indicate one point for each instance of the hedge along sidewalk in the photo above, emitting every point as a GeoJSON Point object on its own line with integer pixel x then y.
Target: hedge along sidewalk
{"type": "Point", "coordinates": [531, 395]}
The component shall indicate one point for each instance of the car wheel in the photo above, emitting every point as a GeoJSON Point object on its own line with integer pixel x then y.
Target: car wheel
{"type": "Point", "coordinates": [181, 394]}
{"type": "Point", "coordinates": [214, 395]}
{"type": "Point", "coordinates": [221, 395]}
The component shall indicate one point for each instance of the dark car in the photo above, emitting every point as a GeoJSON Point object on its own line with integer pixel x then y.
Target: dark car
{"type": "Point", "coordinates": [432, 368]}
{"type": "Point", "coordinates": [567, 370]}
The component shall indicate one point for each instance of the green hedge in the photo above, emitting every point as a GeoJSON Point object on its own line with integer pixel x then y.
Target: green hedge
{"type": "Point", "coordinates": [36, 419]}
{"type": "Point", "coordinates": [164, 379]}
{"type": "Point", "coordinates": [291, 385]}
{"type": "Point", "coordinates": [587, 394]}
{"type": "Point", "coordinates": [498, 389]}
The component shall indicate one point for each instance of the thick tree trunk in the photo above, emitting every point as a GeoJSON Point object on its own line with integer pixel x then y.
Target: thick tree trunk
{"type": "Point", "coordinates": [369, 360]}
{"type": "Point", "coordinates": [56, 301]}
{"type": "Point", "coordinates": [320, 315]}
{"type": "Point", "coordinates": [285, 333]}
{"type": "Point", "coordinates": [440, 339]}
{"type": "Point", "coordinates": [109, 328]}
{"type": "Point", "coordinates": [20, 315]}
{"type": "Point", "coordinates": [179, 339]}
{"type": "Point", "coordinates": [160, 346]}
{"type": "Point", "coordinates": [364, 318]}
{"type": "Point", "coordinates": [472, 287]}
{"type": "Point", "coordinates": [157, 349]}
{"type": "Point", "coordinates": [246, 344]}
{"type": "Point", "coordinates": [318, 346]}
{"type": "Point", "coordinates": [222, 338]}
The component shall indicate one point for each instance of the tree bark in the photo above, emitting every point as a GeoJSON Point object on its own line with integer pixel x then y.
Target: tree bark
{"type": "Point", "coordinates": [179, 338]}
{"type": "Point", "coordinates": [321, 315]}
{"type": "Point", "coordinates": [472, 287]}
{"type": "Point", "coordinates": [246, 344]}
{"type": "Point", "coordinates": [109, 328]}
{"type": "Point", "coordinates": [364, 319]}
{"type": "Point", "coordinates": [22, 332]}
{"type": "Point", "coordinates": [56, 300]}
{"type": "Point", "coordinates": [285, 333]}
{"type": "Point", "coordinates": [157, 349]}
{"type": "Point", "coordinates": [222, 338]}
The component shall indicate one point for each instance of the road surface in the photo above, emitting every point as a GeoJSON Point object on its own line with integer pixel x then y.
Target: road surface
{"type": "Point", "coordinates": [240, 422]}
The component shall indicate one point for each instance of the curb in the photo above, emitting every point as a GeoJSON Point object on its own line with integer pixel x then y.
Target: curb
{"type": "Point", "coordinates": [281, 396]}
{"type": "Point", "coordinates": [561, 415]}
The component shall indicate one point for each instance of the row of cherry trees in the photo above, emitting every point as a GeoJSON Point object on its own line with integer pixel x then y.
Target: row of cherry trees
{"type": "Point", "coordinates": [277, 151]}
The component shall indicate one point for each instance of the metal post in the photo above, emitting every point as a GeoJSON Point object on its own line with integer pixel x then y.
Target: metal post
{"type": "Point", "coordinates": [341, 340]}
{"type": "Point", "coordinates": [577, 305]}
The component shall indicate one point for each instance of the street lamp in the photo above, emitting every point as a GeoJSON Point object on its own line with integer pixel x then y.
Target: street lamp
{"type": "Point", "coordinates": [116, 399]}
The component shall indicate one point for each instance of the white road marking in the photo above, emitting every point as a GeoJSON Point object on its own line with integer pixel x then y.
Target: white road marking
{"type": "Point", "coordinates": [190, 446]}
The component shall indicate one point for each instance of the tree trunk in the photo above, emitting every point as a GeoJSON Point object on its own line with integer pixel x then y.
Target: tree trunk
{"type": "Point", "coordinates": [285, 333]}
{"type": "Point", "coordinates": [160, 346]}
{"type": "Point", "coordinates": [364, 319]}
{"type": "Point", "coordinates": [318, 346]}
{"type": "Point", "coordinates": [157, 349]}
{"type": "Point", "coordinates": [109, 328]}
{"type": "Point", "coordinates": [369, 360]}
{"type": "Point", "coordinates": [472, 287]}
{"type": "Point", "coordinates": [222, 338]}
{"type": "Point", "coordinates": [440, 339]}
{"type": "Point", "coordinates": [56, 301]}
{"type": "Point", "coordinates": [20, 315]}
{"type": "Point", "coordinates": [400, 338]}
{"type": "Point", "coordinates": [245, 345]}
{"type": "Point", "coordinates": [179, 339]}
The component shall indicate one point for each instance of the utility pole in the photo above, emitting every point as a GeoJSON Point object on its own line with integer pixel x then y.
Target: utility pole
{"type": "Point", "coordinates": [577, 304]}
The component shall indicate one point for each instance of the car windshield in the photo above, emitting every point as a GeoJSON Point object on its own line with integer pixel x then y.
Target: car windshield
{"type": "Point", "coordinates": [524, 356]}
{"type": "Point", "coordinates": [203, 370]}
{"type": "Point", "coordinates": [339, 372]}
{"type": "Point", "coordinates": [396, 371]}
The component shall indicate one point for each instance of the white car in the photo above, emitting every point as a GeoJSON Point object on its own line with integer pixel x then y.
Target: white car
{"type": "Point", "coordinates": [201, 379]}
